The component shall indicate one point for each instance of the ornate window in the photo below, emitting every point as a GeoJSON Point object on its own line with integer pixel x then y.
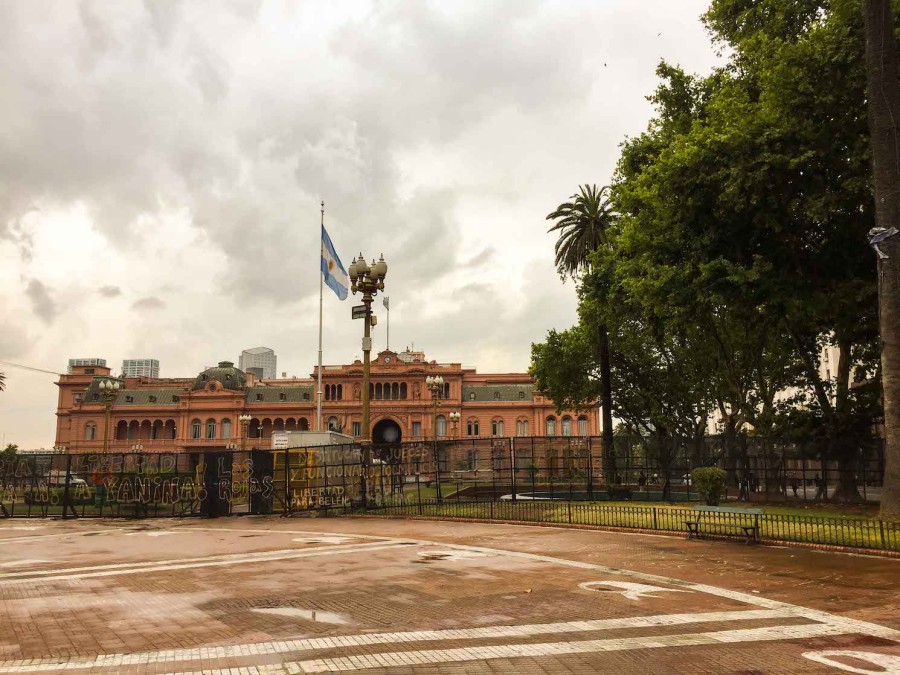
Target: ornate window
{"type": "Point", "coordinates": [551, 426]}
{"type": "Point", "coordinates": [582, 425]}
{"type": "Point", "coordinates": [210, 428]}
{"type": "Point", "coordinates": [441, 425]}
{"type": "Point", "coordinates": [566, 426]}
{"type": "Point", "coordinates": [226, 428]}
{"type": "Point", "coordinates": [195, 430]}
{"type": "Point", "coordinates": [496, 395]}
{"type": "Point", "coordinates": [522, 428]}
{"type": "Point", "coordinates": [497, 428]}
{"type": "Point", "coordinates": [90, 432]}
{"type": "Point", "coordinates": [472, 428]}
{"type": "Point", "coordinates": [334, 424]}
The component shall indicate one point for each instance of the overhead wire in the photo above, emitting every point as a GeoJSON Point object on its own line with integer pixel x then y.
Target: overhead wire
{"type": "Point", "coordinates": [31, 368]}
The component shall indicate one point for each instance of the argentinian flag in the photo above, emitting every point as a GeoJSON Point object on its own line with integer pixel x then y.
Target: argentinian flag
{"type": "Point", "coordinates": [334, 273]}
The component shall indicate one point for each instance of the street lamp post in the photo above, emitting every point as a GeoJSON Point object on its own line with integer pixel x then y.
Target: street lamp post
{"type": "Point", "coordinates": [454, 421]}
{"type": "Point", "coordinates": [109, 390]}
{"type": "Point", "coordinates": [367, 280]}
{"type": "Point", "coordinates": [436, 387]}
{"type": "Point", "coordinates": [244, 421]}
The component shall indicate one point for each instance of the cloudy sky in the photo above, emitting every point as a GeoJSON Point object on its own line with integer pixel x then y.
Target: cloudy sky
{"type": "Point", "coordinates": [162, 164]}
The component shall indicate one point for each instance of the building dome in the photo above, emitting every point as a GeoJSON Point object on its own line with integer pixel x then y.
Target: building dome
{"type": "Point", "coordinates": [225, 374]}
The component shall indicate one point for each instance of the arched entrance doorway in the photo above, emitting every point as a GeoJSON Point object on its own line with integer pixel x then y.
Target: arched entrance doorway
{"type": "Point", "coordinates": [387, 431]}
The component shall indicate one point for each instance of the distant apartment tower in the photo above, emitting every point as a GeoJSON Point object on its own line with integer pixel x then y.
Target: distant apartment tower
{"type": "Point", "coordinates": [140, 368]}
{"type": "Point", "coordinates": [259, 357]}
{"type": "Point", "coordinates": [86, 362]}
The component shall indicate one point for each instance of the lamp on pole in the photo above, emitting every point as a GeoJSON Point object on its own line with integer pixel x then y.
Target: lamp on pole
{"type": "Point", "coordinates": [436, 387]}
{"type": "Point", "coordinates": [244, 421]}
{"type": "Point", "coordinates": [367, 280]}
{"type": "Point", "coordinates": [109, 390]}
{"type": "Point", "coordinates": [454, 421]}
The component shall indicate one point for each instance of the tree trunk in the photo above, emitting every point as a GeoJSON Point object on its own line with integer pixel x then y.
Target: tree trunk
{"type": "Point", "coordinates": [884, 114]}
{"type": "Point", "coordinates": [609, 452]}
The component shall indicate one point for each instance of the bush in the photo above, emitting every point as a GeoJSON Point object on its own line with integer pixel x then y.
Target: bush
{"type": "Point", "coordinates": [710, 483]}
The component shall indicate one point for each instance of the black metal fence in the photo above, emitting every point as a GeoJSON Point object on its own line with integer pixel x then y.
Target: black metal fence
{"type": "Point", "coordinates": [543, 479]}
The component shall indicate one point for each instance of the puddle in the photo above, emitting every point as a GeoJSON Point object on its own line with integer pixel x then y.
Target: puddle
{"type": "Point", "coordinates": [453, 556]}
{"type": "Point", "coordinates": [316, 615]}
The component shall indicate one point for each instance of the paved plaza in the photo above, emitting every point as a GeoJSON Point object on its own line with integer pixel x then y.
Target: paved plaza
{"type": "Point", "coordinates": [269, 595]}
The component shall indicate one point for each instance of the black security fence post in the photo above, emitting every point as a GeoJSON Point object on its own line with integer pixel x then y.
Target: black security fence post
{"type": "Point", "coordinates": [287, 508]}
{"type": "Point", "coordinates": [65, 499]}
{"type": "Point", "coordinates": [513, 466]}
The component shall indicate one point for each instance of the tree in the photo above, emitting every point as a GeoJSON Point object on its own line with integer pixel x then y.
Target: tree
{"type": "Point", "coordinates": [883, 108]}
{"type": "Point", "coordinates": [10, 451]}
{"type": "Point", "coordinates": [2, 381]}
{"type": "Point", "coordinates": [583, 225]}
{"type": "Point", "coordinates": [744, 207]}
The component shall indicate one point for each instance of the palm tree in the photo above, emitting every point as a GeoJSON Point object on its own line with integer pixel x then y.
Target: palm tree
{"type": "Point", "coordinates": [582, 224]}
{"type": "Point", "coordinates": [2, 381]}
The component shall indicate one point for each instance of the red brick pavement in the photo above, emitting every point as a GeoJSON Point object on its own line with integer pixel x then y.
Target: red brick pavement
{"type": "Point", "coordinates": [429, 597]}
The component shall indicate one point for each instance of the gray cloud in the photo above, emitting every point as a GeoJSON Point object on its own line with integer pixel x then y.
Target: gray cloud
{"type": "Point", "coordinates": [42, 302]}
{"type": "Point", "coordinates": [148, 303]}
{"type": "Point", "coordinates": [187, 145]}
{"type": "Point", "coordinates": [14, 341]}
{"type": "Point", "coordinates": [110, 291]}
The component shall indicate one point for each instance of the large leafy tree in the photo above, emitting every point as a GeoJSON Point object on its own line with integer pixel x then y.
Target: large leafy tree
{"type": "Point", "coordinates": [744, 211]}
{"type": "Point", "coordinates": [583, 224]}
{"type": "Point", "coordinates": [883, 107]}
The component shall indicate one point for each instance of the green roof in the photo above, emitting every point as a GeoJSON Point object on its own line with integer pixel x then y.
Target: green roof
{"type": "Point", "coordinates": [225, 373]}
{"type": "Point", "coordinates": [124, 397]}
{"type": "Point", "coordinates": [296, 394]}
{"type": "Point", "coordinates": [498, 392]}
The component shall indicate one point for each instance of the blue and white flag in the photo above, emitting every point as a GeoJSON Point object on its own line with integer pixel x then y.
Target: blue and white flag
{"type": "Point", "coordinates": [332, 269]}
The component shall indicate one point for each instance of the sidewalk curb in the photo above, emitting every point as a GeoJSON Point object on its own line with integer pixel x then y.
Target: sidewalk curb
{"type": "Point", "coordinates": [831, 548]}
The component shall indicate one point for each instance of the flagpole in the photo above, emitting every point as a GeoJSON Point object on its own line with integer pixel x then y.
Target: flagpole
{"type": "Point", "coordinates": [388, 325]}
{"type": "Point", "coordinates": [321, 288]}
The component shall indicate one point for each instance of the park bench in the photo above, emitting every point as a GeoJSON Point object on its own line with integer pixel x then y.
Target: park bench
{"type": "Point", "coordinates": [723, 518]}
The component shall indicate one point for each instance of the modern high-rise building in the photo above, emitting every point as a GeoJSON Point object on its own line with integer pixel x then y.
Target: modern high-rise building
{"type": "Point", "coordinates": [90, 363]}
{"type": "Point", "coordinates": [259, 357]}
{"type": "Point", "coordinates": [140, 368]}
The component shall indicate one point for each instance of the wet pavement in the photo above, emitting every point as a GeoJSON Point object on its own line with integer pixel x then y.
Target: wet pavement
{"type": "Point", "coordinates": [271, 595]}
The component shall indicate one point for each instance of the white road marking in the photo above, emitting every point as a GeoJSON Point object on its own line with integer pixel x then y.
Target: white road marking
{"type": "Point", "coordinates": [152, 533]}
{"type": "Point", "coordinates": [307, 614]}
{"type": "Point", "coordinates": [492, 652]}
{"type": "Point", "coordinates": [631, 591]}
{"type": "Point", "coordinates": [452, 555]}
{"type": "Point", "coordinates": [188, 563]}
{"type": "Point", "coordinates": [42, 537]}
{"type": "Point", "coordinates": [22, 563]}
{"type": "Point", "coordinates": [323, 540]}
{"type": "Point", "coordinates": [25, 527]}
{"type": "Point", "coordinates": [311, 644]}
{"type": "Point", "coordinates": [887, 664]}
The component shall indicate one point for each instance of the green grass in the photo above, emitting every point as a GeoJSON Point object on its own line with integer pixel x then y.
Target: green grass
{"type": "Point", "coordinates": [779, 523]}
